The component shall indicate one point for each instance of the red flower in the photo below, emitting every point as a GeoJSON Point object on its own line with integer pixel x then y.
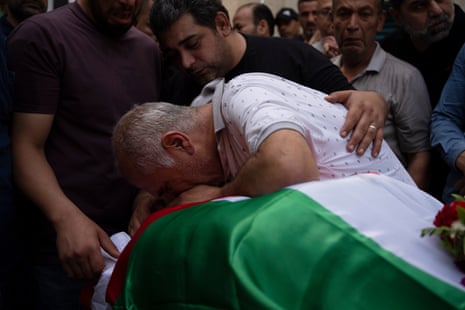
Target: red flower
{"type": "Point", "coordinates": [448, 214]}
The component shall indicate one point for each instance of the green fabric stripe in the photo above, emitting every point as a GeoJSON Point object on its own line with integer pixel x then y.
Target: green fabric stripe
{"type": "Point", "coordinates": [279, 251]}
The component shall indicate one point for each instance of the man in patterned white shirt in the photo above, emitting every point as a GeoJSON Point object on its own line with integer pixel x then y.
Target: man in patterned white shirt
{"type": "Point", "coordinates": [250, 136]}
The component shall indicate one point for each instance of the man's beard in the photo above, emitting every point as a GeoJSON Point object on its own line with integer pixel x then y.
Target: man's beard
{"type": "Point", "coordinates": [433, 35]}
{"type": "Point", "coordinates": [112, 30]}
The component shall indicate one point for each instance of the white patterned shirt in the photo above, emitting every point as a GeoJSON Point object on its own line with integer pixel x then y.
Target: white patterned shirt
{"type": "Point", "coordinates": [252, 106]}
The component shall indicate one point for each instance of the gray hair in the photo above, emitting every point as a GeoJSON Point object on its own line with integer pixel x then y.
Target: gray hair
{"type": "Point", "coordinates": [137, 136]}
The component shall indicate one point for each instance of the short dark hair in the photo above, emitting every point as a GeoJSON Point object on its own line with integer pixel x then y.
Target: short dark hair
{"type": "Point", "coordinates": [165, 13]}
{"type": "Point", "coordinates": [261, 11]}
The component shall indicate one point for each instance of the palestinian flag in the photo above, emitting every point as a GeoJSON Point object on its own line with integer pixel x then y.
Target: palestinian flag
{"type": "Point", "coordinates": [350, 243]}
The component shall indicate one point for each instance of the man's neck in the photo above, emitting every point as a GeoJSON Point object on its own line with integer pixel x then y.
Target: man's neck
{"type": "Point", "coordinates": [352, 65]}
{"type": "Point", "coordinates": [238, 45]}
{"type": "Point", "coordinates": [421, 45]}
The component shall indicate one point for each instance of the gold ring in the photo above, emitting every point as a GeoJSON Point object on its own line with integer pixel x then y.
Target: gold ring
{"type": "Point", "coordinates": [372, 127]}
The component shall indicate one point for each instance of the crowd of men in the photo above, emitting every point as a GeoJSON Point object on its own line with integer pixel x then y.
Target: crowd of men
{"type": "Point", "coordinates": [69, 75]}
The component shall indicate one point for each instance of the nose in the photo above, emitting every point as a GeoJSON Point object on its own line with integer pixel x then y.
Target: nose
{"type": "Point", "coordinates": [434, 8]}
{"type": "Point", "coordinates": [353, 22]}
{"type": "Point", "coordinates": [311, 18]}
{"type": "Point", "coordinates": [186, 59]}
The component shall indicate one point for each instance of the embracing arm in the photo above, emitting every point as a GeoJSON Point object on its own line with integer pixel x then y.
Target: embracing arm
{"type": "Point", "coordinates": [78, 238]}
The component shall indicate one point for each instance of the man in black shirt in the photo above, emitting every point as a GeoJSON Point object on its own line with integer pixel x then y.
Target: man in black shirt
{"type": "Point", "coordinates": [197, 36]}
{"type": "Point", "coordinates": [430, 36]}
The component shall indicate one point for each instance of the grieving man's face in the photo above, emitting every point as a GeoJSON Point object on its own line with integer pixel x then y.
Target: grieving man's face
{"type": "Point", "coordinates": [200, 51]}
{"type": "Point", "coordinates": [428, 20]}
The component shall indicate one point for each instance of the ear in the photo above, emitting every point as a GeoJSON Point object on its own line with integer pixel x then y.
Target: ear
{"type": "Point", "coordinates": [395, 16]}
{"type": "Point", "coordinates": [223, 25]}
{"type": "Point", "coordinates": [381, 20]}
{"type": "Point", "coordinates": [176, 141]}
{"type": "Point", "coordinates": [263, 28]}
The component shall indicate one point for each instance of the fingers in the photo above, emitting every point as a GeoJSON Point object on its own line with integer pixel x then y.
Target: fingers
{"type": "Point", "coordinates": [377, 142]}
{"type": "Point", "coordinates": [365, 119]}
{"type": "Point", "coordinates": [107, 245]}
{"type": "Point", "coordinates": [340, 96]}
{"type": "Point", "coordinates": [134, 225]}
{"type": "Point", "coordinates": [361, 138]}
{"type": "Point", "coordinates": [84, 266]}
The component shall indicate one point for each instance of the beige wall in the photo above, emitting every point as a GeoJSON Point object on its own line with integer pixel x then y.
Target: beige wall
{"type": "Point", "coordinates": [274, 5]}
{"type": "Point", "coordinates": [461, 3]}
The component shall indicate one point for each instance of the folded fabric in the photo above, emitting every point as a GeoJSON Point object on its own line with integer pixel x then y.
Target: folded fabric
{"type": "Point", "coordinates": [98, 302]}
{"type": "Point", "coordinates": [350, 243]}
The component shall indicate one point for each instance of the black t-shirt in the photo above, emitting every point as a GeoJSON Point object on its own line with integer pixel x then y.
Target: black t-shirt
{"type": "Point", "coordinates": [291, 59]}
{"type": "Point", "coordinates": [435, 64]}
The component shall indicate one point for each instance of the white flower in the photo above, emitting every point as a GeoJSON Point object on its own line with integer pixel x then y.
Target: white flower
{"type": "Point", "coordinates": [458, 226]}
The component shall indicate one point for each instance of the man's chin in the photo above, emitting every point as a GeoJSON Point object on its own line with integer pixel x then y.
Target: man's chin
{"type": "Point", "coordinates": [203, 79]}
{"type": "Point", "coordinates": [432, 37]}
{"type": "Point", "coordinates": [113, 30]}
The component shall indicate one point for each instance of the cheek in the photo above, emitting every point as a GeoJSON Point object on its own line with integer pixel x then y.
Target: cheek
{"type": "Point", "coordinates": [417, 21]}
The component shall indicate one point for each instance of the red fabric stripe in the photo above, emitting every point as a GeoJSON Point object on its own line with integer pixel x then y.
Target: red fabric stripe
{"type": "Point", "coordinates": [118, 276]}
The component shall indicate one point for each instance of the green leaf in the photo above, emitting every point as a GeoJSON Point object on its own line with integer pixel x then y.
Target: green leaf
{"type": "Point", "coordinates": [458, 197]}
{"type": "Point", "coordinates": [461, 213]}
{"type": "Point", "coordinates": [427, 231]}
{"type": "Point", "coordinates": [436, 231]}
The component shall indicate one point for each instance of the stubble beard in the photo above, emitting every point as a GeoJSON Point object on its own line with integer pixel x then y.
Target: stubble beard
{"type": "Point", "coordinates": [433, 35]}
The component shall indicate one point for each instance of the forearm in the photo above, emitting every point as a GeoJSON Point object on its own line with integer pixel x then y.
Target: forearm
{"type": "Point", "coordinates": [418, 168]}
{"type": "Point", "coordinates": [257, 178]}
{"type": "Point", "coordinates": [274, 166]}
{"type": "Point", "coordinates": [37, 180]}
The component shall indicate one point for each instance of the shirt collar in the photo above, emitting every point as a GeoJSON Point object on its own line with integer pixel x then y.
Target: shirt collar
{"type": "Point", "coordinates": [375, 65]}
{"type": "Point", "coordinates": [212, 92]}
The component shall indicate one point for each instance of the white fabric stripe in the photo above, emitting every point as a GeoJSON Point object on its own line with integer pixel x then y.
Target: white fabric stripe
{"type": "Point", "coordinates": [392, 214]}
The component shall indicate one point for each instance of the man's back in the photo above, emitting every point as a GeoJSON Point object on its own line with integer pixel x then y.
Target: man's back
{"type": "Point", "coordinates": [254, 105]}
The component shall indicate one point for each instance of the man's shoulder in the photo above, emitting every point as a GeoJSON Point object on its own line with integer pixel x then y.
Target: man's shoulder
{"type": "Point", "coordinates": [399, 65]}
{"type": "Point", "coordinates": [275, 43]}
{"type": "Point", "coordinates": [49, 22]}
{"type": "Point", "coordinates": [396, 40]}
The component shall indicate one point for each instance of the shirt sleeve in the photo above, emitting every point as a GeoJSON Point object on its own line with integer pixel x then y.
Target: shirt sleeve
{"type": "Point", "coordinates": [256, 112]}
{"type": "Point", "coordinates": [448, 117]}
{"type": "Point", "coordinates": [33, 57]}
{"type": "Point", "coordinates": [413, 114]}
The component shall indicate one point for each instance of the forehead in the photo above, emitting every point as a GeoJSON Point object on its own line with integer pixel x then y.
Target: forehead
{"type": "Point", "coordinates": [354, 3]}
{"type": "Point", "coordinates": [325, 3]}
{"type": "Point", "coordinates": [408, 3]}
{"type": "Point", "coordinates": [243, 13]}
{"type": "Point", "coordinates": [308, 6]}
{"type": "Point", "coordinates": [181, 30]}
